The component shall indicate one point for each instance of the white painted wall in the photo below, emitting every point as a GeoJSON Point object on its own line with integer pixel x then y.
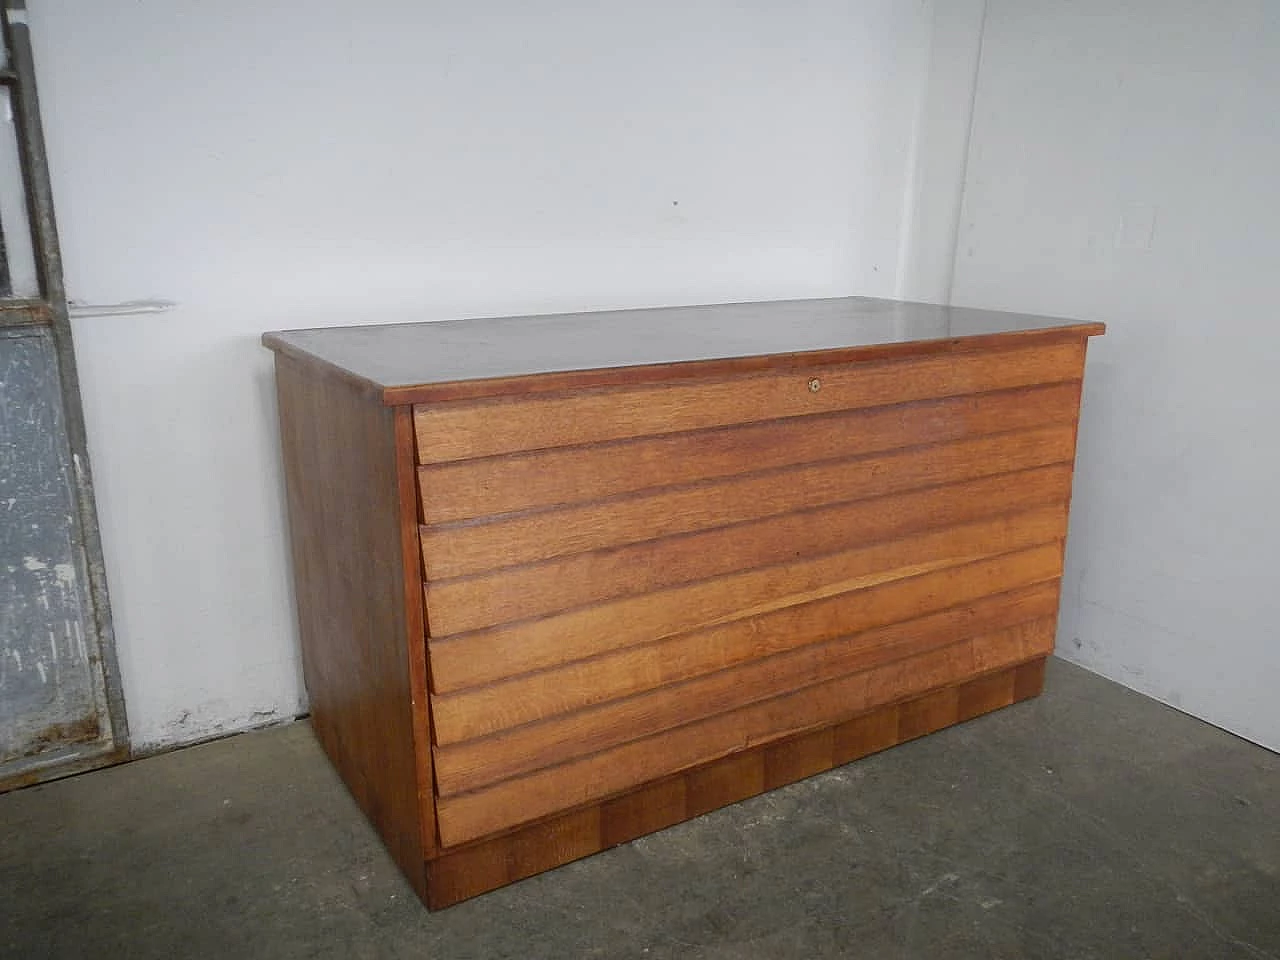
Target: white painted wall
{"type": "Point", "coordinates": [1125, 166]}
{"type": "Point", "coordinates": [941, 148]}
{"type": "Point", "coordinates": [302, 163]}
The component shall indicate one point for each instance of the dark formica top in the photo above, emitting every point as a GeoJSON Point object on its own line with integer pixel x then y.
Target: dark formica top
{"type": "Point", "coordinates": [406, 362]}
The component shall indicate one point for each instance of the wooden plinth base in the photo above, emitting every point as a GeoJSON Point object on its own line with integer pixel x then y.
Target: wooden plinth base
{"type": "Point", "coordinates": [485, 865]}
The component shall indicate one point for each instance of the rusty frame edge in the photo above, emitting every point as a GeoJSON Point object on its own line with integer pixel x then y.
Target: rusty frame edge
{"type": "Point", "coordinates": [39, 195]}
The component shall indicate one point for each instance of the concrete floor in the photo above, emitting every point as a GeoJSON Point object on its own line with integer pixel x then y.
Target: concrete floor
{"type": "Point", "coordinates": [1091, 822]}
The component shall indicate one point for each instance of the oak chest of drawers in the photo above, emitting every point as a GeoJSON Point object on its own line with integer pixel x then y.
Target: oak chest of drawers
{"type": "Point", "coordinates": [565, 580]}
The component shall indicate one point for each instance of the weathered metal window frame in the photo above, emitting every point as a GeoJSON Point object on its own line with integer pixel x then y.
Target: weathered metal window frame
{"type": "Point", "coordinates": [50, 310]}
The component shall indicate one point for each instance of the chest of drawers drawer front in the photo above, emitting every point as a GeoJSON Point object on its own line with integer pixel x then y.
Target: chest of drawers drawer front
{"type": "Point", "coordinates": [477, 547]}
{"type": "Point", "coordinates": [464, 430]}
{"type": "Point", "coordinates": [465, 604]}
{"type": "Point", "coordinates": [491, 486]}
{"type": "Point", "coordinates": [624, 584]}
{"type": "Point", "coordinates": [558, 737]}
{"type": "Point", "coordinates": [475, 814]}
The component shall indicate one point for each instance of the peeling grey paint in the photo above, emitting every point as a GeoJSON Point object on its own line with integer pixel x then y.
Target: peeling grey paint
{"type": "Point", "coordinates": [50, 687]}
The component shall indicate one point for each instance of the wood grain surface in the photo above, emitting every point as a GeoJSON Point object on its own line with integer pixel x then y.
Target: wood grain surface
{"type": "Point", "coordinates": [468, 816]}
{"type": "Point", "coordinates": [851, 627]}
{"type": "Point", "coordinates": [468, 870]}
{"type": "Point", "coordinates": [459, 431]}
{"type": "Point", "coordinates": [565, 475]}
{"type": "Point", "coordinates": [771, 563]}
{"type": "Point", "coordinates": [415, 625]}
{"type": "Point", "coordinates": [469, 548]}
{"type": "Point", "coordinates": [361, 641]}
{"type": "Point", "coordinates": [484, 656]}
{"type": "Point", "coordinates": [516, 593]}
{"type": "Point", "coordinates": [567, 736]}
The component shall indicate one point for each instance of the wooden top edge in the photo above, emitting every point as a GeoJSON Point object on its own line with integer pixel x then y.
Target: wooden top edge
{"type": "Point", "coordinates": [493, 357]}
{"type": "Point", "coordinates": [283, 348]}
{"type": "Point", "coordinates": [658, 373]}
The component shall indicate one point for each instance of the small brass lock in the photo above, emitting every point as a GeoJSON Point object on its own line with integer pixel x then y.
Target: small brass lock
{"type": "Point", "coordinates": [815, 385]}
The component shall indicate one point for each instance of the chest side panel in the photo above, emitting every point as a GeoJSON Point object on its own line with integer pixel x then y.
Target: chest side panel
{"type": "Point", "coordinates": [360, 628]}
